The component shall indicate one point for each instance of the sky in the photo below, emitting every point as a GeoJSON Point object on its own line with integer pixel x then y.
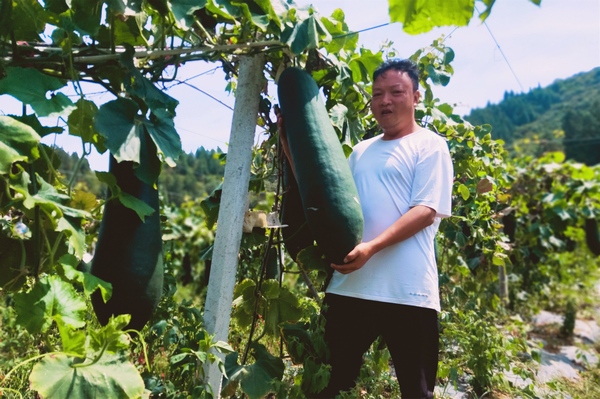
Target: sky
{"type": "Point", "coordinates": [521, 46]}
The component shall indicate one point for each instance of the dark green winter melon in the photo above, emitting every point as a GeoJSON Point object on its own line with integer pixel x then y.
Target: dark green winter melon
{"type": "Point", "coordinates": [327, 189]}
{"type": "Point", "coordinates": [129, 253]}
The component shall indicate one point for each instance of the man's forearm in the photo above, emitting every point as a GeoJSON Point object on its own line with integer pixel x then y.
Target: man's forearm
{"type": "Point", "coordinates": [409, 224]}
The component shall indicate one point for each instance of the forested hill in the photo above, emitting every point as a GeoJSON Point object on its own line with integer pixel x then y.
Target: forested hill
{"type": "Point", "coordinates": [571, 105]}
{"type": "Point", "coordinates": [195, 176]}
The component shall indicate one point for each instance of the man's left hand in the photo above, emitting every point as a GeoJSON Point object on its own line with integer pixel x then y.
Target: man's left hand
{"type": "Point", "coordinates": [355, 259]}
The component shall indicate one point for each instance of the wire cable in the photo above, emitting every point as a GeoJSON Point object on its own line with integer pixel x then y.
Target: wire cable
{"type": "Point", "coordinates": [501, 52]}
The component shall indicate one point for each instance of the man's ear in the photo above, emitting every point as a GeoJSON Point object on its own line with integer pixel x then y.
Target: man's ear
{"type": "Point", "coordinates": [416, 96]}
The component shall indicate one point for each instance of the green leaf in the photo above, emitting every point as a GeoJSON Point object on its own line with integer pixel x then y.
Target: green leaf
{"type": "Point", "coordinates": [59, 376]}
{"type": "Point", "coordinates": [223, 9]}
{"type": "Point", "coordinates": [499, 259]}
{"type": "Point", "coordinates": [297, 340]}
{"type": "Point", "coordinates": [140, 207]}
{"type": "Point", "coordinates": [438, 76]}
{"type": "Point", "coordinates": [118, 121]}
{"type": "Point", "coordinates": [73, 340]}
{"type": "Point", "coordinates": [49, 297]}
{"type": "Point", "coordinates": [305, 35]}
{"type": "Point", "coordinates": [86, 16]}
{"type": "Point", "coordinates": [63, 217]}
{"type": "Point", "coordinates": [422, 16]}
{"type": "Point", "coordinates": [311, 258]}
{"type": "Point", "coordinates": [210, 206]}
{"type": "Point", "coordinates": [274, 10]}
{"type": "Point", "coordinates": [31, 87]}
{"type": "Point", "coordinates": [161, 104]}
{"type": "Point", "coordinates": [183, 10]}
{"type": "Point", "coordinates": [111, 338]}
{"type": "Point", "coordinates": [33, 121]}
{"type": "Point", "coordinates": [282, 306]}
{"type": "Point", "coordinates": [253, 13]}
{"type": "Point", "coordinates": [338, 114]}
{"type": "Point", "coordinates": [28, 20]}
{"type": "Point", "coordinates": [338, 29]}
{"type": "Point", "coordinates": [81, 124]}
{"type": "Point", "coordinates": [258, 379]}
{"type": "Point", "coordinates": [129, 31]}
{"type": "Point", "coordinates": [464, 192]}
{"type": "Point", "coordinates": [18, 142]}
{"type": "Point", "coordinates": [165, 137]}
{"type": "Point", "coordinates": [75, 233]}
{"type": "Point", "coordinates": [124, 131]}
{"type": "Point", "coordinates": [363, 66]}
{"type": "Point", "coordinates": [90, 283]}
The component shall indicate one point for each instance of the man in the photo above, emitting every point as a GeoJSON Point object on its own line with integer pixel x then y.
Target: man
{"type": "Point", "coordinates": [388, 284]}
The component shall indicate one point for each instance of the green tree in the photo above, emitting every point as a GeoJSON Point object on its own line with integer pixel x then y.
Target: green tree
{"type": "Point", "coordinates": [582, 135]}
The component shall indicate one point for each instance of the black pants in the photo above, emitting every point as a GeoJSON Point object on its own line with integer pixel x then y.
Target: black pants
{"type": "Point", "coordinates": [410, 333]}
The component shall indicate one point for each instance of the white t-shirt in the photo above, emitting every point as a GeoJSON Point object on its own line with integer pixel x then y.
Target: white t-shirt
{"type": "Point", "coordinates": [391, 177]}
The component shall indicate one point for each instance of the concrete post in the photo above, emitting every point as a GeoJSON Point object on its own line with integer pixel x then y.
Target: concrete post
{"type": "Point", "coordinates": [234, 199]}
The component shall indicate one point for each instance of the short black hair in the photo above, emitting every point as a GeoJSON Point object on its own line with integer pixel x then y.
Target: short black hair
{"type": "Point", "coordinates": [405, 65]}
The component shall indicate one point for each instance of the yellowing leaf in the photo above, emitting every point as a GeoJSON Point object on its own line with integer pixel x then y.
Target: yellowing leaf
{"type": "Point", "coordinates": [421, 16]}
{"type": "Point", "coordinates": [464, 192]}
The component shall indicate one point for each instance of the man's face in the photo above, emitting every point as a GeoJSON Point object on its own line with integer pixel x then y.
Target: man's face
{"type": "Point", "coordinates": [394, 100]}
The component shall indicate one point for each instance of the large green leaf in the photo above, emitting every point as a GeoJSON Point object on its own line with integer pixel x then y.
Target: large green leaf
{"type": "Point", "coordinates": [282, 306]}
{"type": "Point", "coordinates": [258, 379]}
{"type": "Point", "coordinates": [305, 34]}
{"type": "Point", "coordinates": [118, 121]}
{"type": "Point", "coordinates": [18, 142]}
{"type": "Point", "coordinates": [211, 205]}
{"type": "Point", "coordinates": [297, 340]}
{"type": "Point", "coordinates": [419, 16]}
{"type": "Point", "coordinates": [129, 31]}
{"type": "Point", "coordinates": [81, 123]}
{"type": "Point", "coordinates": [73, 339]}
{"type": "Point", "coordinates": [338, 29]}
{"type": "Point", "coordinates": [31, 87]}
{"type": "Point", "coordinates": [33, 121]}
{"type": "Point", "coordinates": [86, 15]}
{"type": "Point", "coordinates": [63, 217]}
{"type": "Point", "coordinates": [50, 296]}
{"type": "Point", "coordinates": [160, 103]}
{"type": "Point", "coordinates": [183, 10]}
{"type": "Point", "coordinates": [274, 9]}
{"type": "Point", "coordinates": [90, 283]}
{"type": "Point", "coordinates": [111, 338]}
{"type": "Point", "coordinates": [125, 131]}
{"type": "Point", "coordinates": [60, 376]}
{"type": "Point", "coordinates": [364, 65]}
{"type": "Point", "coordinates": [28, 20]}
{"type": "Point", "coordinates": [254, 13]}
{"type": "Point", "coordinates": [137, 205]}
{"type": "Point", "coordinates": [224, 9]}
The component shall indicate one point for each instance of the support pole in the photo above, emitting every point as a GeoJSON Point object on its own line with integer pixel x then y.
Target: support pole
{"type": "Point", "coordinates": [234, 199]}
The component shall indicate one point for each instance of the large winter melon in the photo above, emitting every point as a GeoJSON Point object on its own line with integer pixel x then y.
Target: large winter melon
{"type": "Point", "coordinates": [325, 182]}
{"type": "Point", "coordinates": [129, 252]}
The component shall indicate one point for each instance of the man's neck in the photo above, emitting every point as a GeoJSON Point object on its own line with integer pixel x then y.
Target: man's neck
{"type": "Point", "coordinates": [401, 132]}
